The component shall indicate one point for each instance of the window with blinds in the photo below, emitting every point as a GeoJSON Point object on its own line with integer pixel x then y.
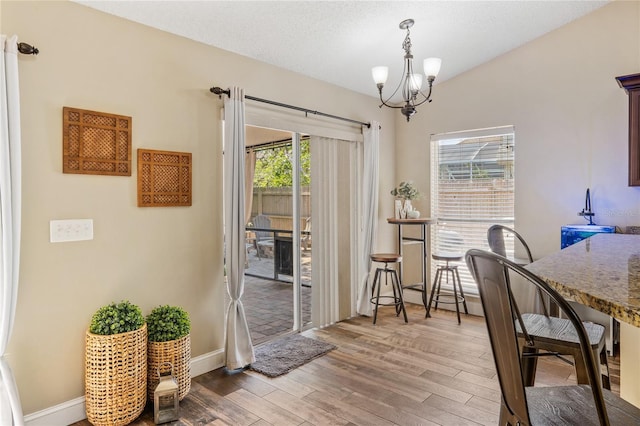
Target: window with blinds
{"type": "Point", "coordinates": [472, 187]}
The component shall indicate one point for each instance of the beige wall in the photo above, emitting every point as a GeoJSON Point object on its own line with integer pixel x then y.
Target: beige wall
{"type": "Point", "coordinates": [149, 256]}
{"type": "Point", "coordinates": [570, 118]}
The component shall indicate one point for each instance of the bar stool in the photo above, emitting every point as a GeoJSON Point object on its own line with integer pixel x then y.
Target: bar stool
{"type": "Point", "coordinates": [455, 277]}
{"type": "Point", "coordinates": [396, 299]}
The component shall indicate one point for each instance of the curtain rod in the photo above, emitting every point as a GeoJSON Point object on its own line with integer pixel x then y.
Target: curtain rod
{"type": "Point", "coordinates": [274, 144]}
{"type": "Point", "coordinates": [27, 49]}
{"type": "Point", "coordinates": [218, 91]}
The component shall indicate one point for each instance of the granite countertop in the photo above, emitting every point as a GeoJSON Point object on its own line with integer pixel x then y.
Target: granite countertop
{"type": "Point", "coordinates": [602, 272]}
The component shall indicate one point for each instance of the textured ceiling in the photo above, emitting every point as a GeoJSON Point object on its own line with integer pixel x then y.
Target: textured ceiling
{"type": "Point", "coordinates": [340, 41]}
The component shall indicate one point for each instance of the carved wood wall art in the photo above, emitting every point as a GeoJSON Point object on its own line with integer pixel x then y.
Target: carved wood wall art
{"type": "Point", "coordinates": [95, 143]}
{"type": "Point", "coordinates": [164, 178]}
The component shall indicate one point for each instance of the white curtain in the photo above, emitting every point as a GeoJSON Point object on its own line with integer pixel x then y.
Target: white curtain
{"type": "Point", "coordinates": [238, 346]}
{"type": "Point", "coordinates": [334, 207]}
{"type": "Point", "coordinates": [328, 213]}
{"type": "Point", "coordinates": [370, 181]}
{"type": "Point", "coordinates": [10, 211]}
{"type": "Point", "coordinates": [249, 173]}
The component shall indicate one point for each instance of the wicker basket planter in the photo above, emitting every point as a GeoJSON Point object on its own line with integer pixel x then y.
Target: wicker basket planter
{"type": "Point", "coordinates": [116, 376]}
{"type": "Point", "coordinates": [178, 353]}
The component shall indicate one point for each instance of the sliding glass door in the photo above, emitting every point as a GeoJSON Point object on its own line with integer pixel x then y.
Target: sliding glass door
{"type": "Point", "coordinates": [279, 244]}
{"type": "Point", "coordinates": [321, 177]}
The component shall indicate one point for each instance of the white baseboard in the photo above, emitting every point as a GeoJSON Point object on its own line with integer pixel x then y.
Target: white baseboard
{"type": "Point", "coordinates": [62, 414]}
{"type": "Point", "coordinates": [207, 362]}
{"type": "Point", "coordinates": [73, 411]}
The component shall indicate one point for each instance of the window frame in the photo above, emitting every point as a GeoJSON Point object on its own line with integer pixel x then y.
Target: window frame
{"type": "Point", "coordinates": [498, 159]}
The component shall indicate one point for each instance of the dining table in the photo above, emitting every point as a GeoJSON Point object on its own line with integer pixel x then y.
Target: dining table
{"type": "Point", "coordinates": [602, 272]}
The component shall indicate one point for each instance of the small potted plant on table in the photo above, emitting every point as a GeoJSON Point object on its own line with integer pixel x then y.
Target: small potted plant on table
{"type": "Point", "coordinates": [116, 365]}
{"type": "Point", "coordinates": [169, 341]}
{"type": "Point", "coordinates": [404, 193]}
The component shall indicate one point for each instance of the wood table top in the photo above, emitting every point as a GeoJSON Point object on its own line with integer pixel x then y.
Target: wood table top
{"type": "Point", "coordinates": [411, 221]}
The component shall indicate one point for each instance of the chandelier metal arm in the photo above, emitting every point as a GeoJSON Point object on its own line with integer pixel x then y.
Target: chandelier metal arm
{"type": "Point", "coordinates": [407, 64]}
{"type": "Point", "coordinates": [383, 103]}
{"type": "Point", "coordinates": [427, 97]}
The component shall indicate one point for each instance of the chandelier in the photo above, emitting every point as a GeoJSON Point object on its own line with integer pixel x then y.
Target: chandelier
{"type": "Point", "coordinates": [411, 83]}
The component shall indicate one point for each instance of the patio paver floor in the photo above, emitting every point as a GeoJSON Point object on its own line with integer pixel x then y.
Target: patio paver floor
{"type": "Point", "coordinates": [268, 304]}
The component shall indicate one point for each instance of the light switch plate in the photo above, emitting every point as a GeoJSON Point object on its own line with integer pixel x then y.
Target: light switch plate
{"type": "Point", "coordinates": [70, 230]}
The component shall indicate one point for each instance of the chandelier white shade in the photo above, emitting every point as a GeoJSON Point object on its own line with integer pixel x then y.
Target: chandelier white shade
{"type": "Point", "coordinates": [432, 66]}
{"type": "Point", "coordinates": [410, 85]}
{"type": "Point", "coordinates": [380, 74]}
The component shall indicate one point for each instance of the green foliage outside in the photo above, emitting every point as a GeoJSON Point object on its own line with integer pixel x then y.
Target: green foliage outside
{"type": "Point", "coordinates": [166, 323]}
{"type": "Point", "coordinates": [463, 171]}
{"type": "Point", "coordinates": [116, 318]}
{"type": "Point", "coordinates": [479, 173]}
{"type": "Point", "coordinates": [274, 169]}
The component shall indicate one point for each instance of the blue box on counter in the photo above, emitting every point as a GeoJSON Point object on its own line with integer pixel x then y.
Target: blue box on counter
{"type": "Point", "coordinates": [571, 234]}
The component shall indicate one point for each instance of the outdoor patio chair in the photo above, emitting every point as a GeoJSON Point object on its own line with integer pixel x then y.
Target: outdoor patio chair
{"type": "Point", "coordinates": [263, 238]}
{"type": "Point", "coordinates": [305, 239]}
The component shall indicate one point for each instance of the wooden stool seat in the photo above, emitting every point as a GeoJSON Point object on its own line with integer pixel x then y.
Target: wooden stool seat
{"type": "Point", "coordinates": [386, 258]}
{"type": "Point", "coordinates": [396, 300]}
{"type": "Point", "coordinates": [448, 257]}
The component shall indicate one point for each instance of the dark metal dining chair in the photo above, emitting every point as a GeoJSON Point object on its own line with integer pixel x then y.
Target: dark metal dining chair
{"type": "Point", "coordinates": [582, 404]}
{"type": "Point", "coordinates": [541, 332]}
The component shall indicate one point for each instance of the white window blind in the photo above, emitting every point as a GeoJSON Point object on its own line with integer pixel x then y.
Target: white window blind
{"type": "Point", "coordinates": [472, 187]}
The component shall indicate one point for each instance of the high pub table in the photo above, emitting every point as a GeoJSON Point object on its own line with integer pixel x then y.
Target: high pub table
{"type": "Point", "coordinates": [424, 241]}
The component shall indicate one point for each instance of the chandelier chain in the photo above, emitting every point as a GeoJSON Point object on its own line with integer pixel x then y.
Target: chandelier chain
{"type": "Point", "coordinates": [406, 44]}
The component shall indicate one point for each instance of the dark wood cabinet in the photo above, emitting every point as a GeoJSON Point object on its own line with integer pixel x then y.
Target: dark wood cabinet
{"type": "Point", "coordinates": [631, 84]}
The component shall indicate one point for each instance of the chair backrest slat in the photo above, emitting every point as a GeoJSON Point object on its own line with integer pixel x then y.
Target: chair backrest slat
{"type": "Point", "coordinates": [499, 314]}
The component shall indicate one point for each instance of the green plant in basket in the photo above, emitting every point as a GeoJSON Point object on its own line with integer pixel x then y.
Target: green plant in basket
{"type": "Point", "coordinates": [116, 318]}
{"type": "Point", "coordinates": [166, 323]}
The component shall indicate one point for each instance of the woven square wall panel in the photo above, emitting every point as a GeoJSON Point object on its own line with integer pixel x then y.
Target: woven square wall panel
{"type": "Point", "coordinates": [164, 178]}
{"type": "Point", "coordinates": [95, 143]}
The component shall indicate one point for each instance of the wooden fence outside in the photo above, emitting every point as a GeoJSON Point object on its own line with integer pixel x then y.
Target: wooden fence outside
{"type": "Point", "coordinates": [277, 204]}
{"type": "Point", "coordinates": [484, 198]}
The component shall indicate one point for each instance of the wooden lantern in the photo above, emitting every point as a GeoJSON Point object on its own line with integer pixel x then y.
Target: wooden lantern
{"type": "Point", "coordinates": [165, 398]}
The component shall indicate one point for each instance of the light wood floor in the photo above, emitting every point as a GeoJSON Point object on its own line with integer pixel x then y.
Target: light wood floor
{"type": "Point", "coordinates": [427, 372]}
